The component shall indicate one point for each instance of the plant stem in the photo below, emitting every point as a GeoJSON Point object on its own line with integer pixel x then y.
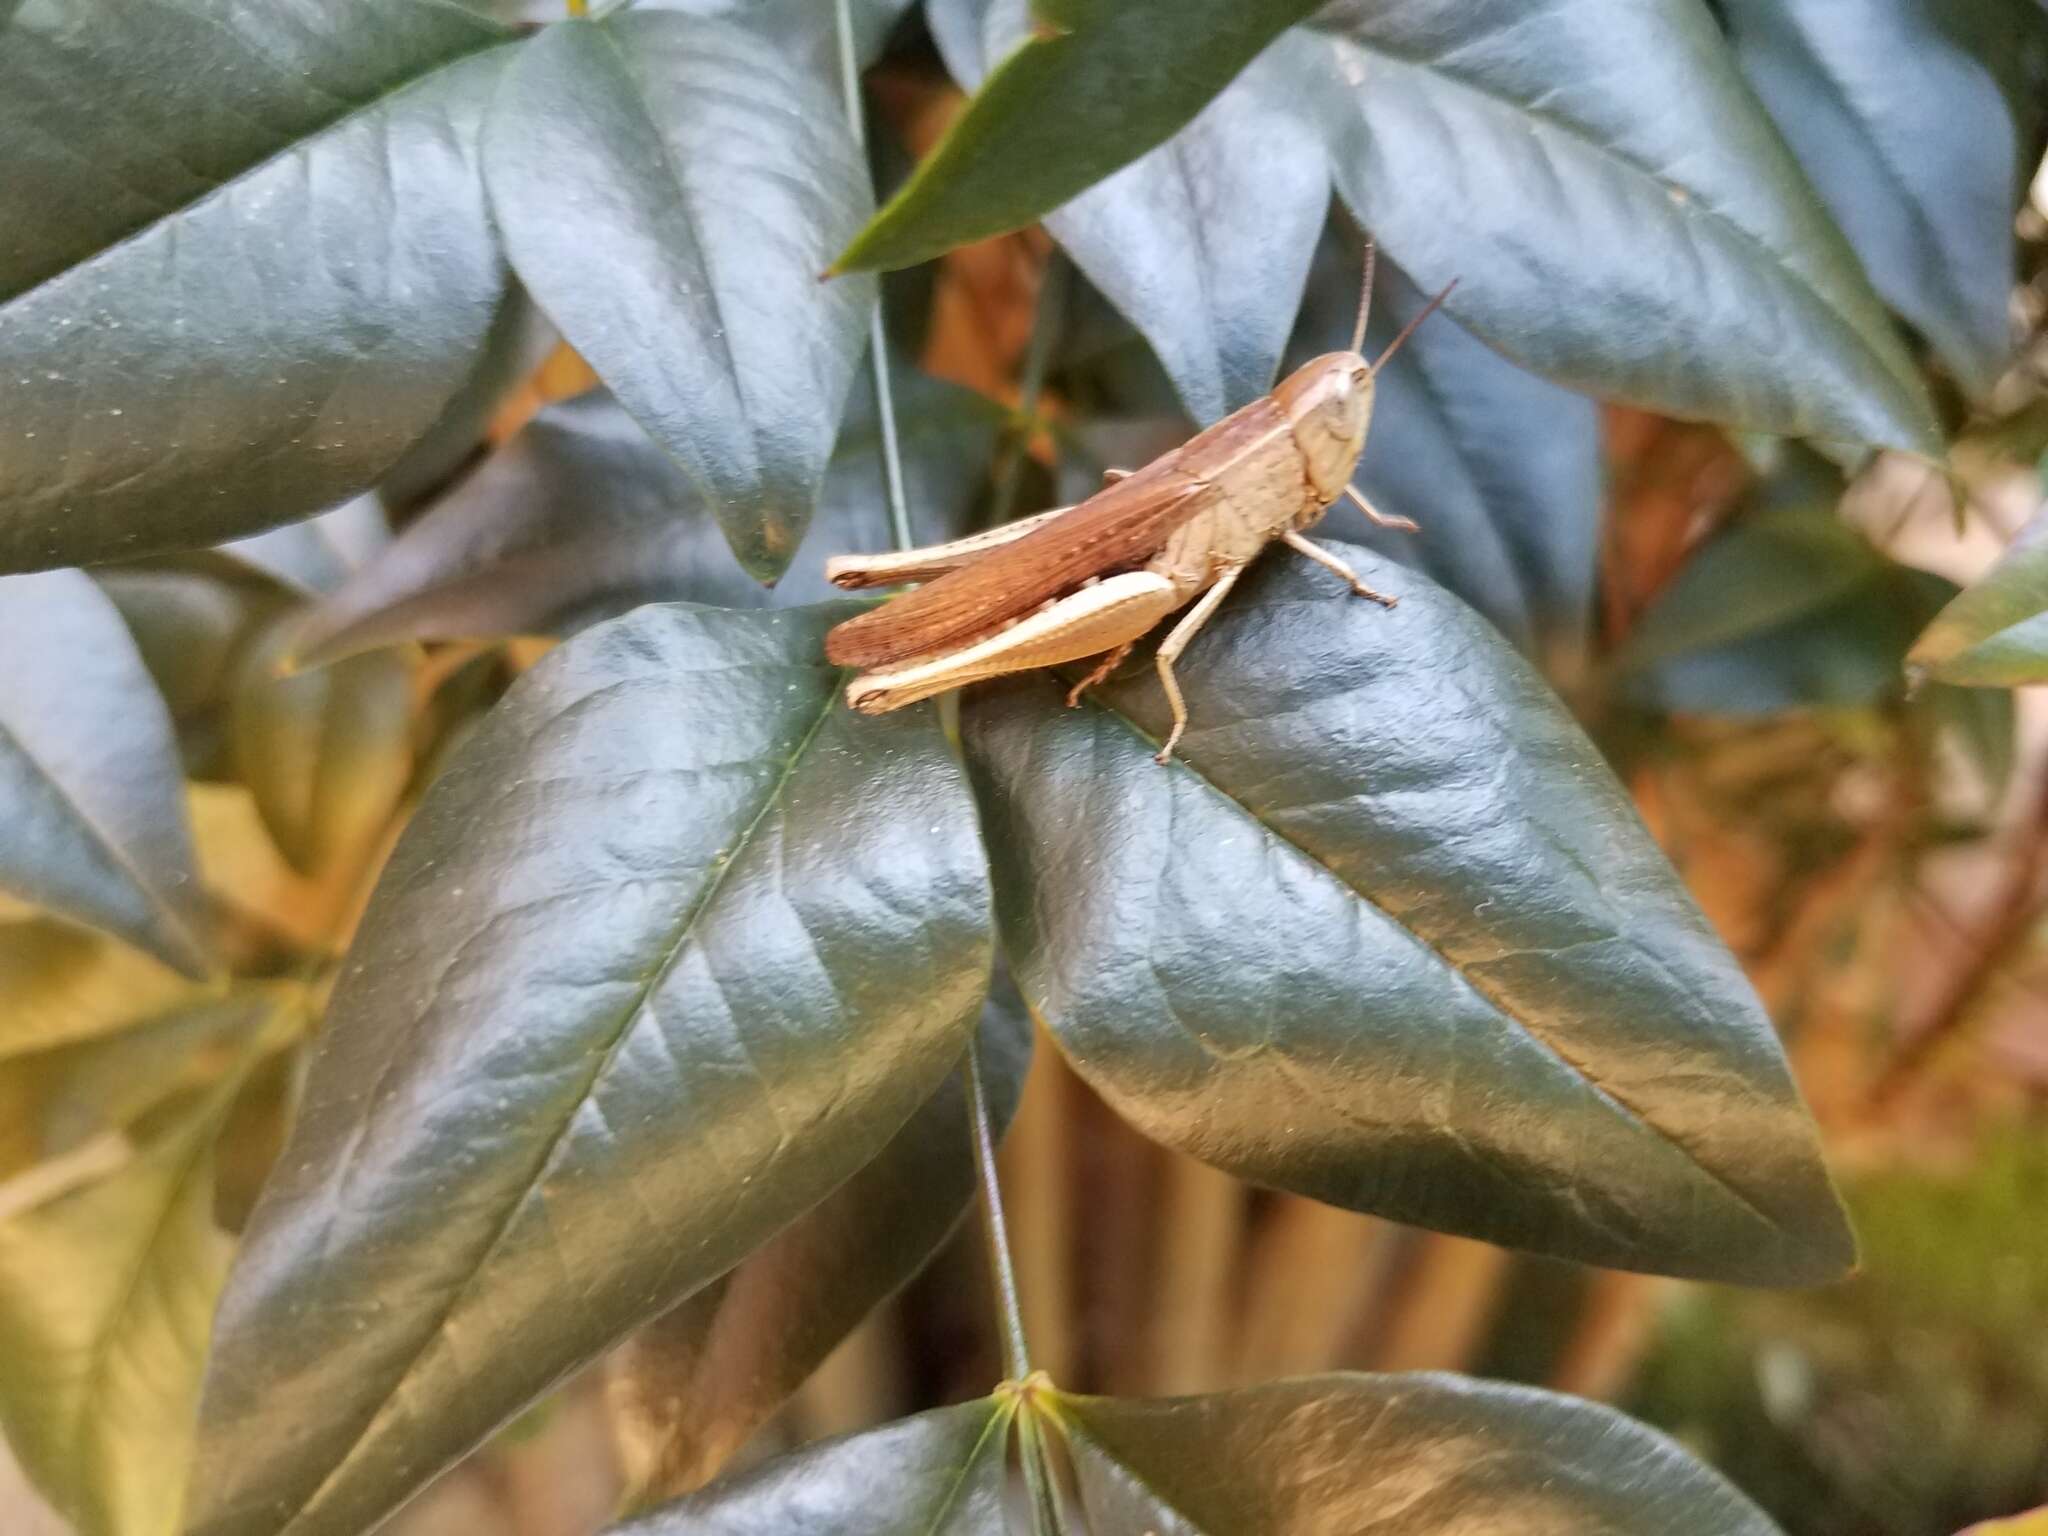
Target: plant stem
{"type": "Point", "coordinates": [1038, 1476]}
{"type": "Point", "coordinates": [878, 340]}
{"type": "Point", "coordinates": [1045, 329]}
{"type": "Point", "coordinates": [1016, 1356]}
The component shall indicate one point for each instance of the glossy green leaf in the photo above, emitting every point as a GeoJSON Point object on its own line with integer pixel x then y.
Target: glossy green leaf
{"type": "Point", "coordinates": [937, 1474]}
{"type": "Point", "coordinates": [247, 260]}
{"type": "Point", "coordinates": [635, 992]}
{"type": "Point", "coordinates": [326, 753]}
{"type": "Point", "coordinates": [65, 984]}
{"type": "Point", "coordinates": [705, 1377]}
{"type": "Point", "coordinates": [1390, 934]}
{"type": "Point", "coordinates": [1098, 83]}
{"type": "Point", "coordinates": [670, 189]}
{"type": "Point", "coordinates": [1499, 469]}
{"type": "Point", "coordinates": [1622, 214]}
{"type": "Point", "coordinates": [1204, 243]}
{"type": "Point", "coordinates": [1913, 146]}
{"type": "Point", "coordinates": [1995, 633]}
{"type": "Point", "coordinates": [95, 826]}
{"type": "Point", "coordinates": [105, 1297]}
{"type": "Point", "coordinates": [1410, 1455]}
{"type": "Point", "coordinates": [581, 516]}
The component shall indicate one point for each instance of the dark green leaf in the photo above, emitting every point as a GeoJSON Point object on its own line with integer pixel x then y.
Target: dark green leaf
{"type": "Point", "coordinates": [1499, 468]}
{"type": "Point", "coordinates": [518, 343]}
{"type": "Point", "coordinates": [709, 1374]}
{"type": "Point", "coordinates": [326, 753]}
{"type": "Point", "coordinates": [1391, 935]}
{"type": "Point", "coordinates": [1205, 242]}
{"type": "Point", "coordinates": [1995, 633]}
{"type": "Point", "coordinates": [1414, 1455]}
{"type": "Point", "coordinates": [105, 1297]}
{"type": "Point", "coordinates": [1913, 146]}
{"type": "Point", "coordinates": [1788, 608]}
{"type": "Point", "coordinates": [670, 189]}
{"type": "Point", "coordinates": [938, 1474]}
{"type": "Point", "coordinates": [1098, 84]}
{"type": "Point", "coordinates": [95, 824]}
{"type": "Point", "coordinates": [1621, 213]}
{"type": "Point", "coordinates": [247, 260]}
{"type": "Point", "coordinates": [636, 991]}
{"type": "Point", "coordinates": [580, 516]}
{"type": "Point", "coordinates": [64, 984]}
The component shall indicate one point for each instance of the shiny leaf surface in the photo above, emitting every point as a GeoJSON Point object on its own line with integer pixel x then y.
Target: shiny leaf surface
{"type": "Point", "coordinates": [713, 1371]}
{"type": "Point", "coordinates": [1576, 163]}
{"type": "Point", "coordinates": [938, 1474]}
{"type": "Point", "coordinates": [1411, 1455]}
{"type": "Point", "coordinates": [1913, 146]}
{"type": "Point", "coordinates": [1390, 934]}
{"type": "Point", "coordinates": [1097, 84]}
{"type": "Point", "coordinates": [1203, 243]}
{"type": "Point", "coordinates": [180, 367]}
{"type": "Point", "coordinates": [95, 823]}
{"type": "Point", "coordinates": [717, 173]}
{"type": "Point", "coordinates": [580, 516]}
{"type": "Point", "coordinates": [634, 993]}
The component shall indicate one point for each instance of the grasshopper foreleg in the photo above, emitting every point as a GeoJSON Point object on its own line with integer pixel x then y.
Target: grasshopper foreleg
{"type": "Point", "coordinates": [1384, 519]}
{"type": "Point", "coordinates": [1321, 556]}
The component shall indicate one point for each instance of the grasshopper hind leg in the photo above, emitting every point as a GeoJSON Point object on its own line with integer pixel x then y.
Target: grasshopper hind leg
{"type": "Point", "coordinates": [1103, 668]}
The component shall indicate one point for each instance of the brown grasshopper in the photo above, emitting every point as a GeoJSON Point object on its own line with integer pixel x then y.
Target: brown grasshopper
{"type": "Point", "coordinates": [1092, 579]}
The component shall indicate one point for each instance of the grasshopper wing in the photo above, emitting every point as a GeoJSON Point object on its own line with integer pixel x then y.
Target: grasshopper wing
{"type": "Point", "coordinates": [1119, 527]}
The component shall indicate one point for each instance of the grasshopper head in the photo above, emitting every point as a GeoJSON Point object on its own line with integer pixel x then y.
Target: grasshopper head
{"type": "Point", "coordinates": [1329, 405]}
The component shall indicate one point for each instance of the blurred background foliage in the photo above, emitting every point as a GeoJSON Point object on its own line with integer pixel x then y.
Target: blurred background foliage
{"type": "Point", "coordinates": [1873, 844]}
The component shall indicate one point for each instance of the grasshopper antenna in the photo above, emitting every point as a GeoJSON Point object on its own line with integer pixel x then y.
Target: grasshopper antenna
{"type": "Point", "coordinates": [1409, 329]}
{"type": "Point", "coordinates": [1372, 256]}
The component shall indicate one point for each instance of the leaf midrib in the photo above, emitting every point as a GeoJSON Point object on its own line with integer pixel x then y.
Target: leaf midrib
{"type": "Point", "coordinates": [1621, 1106]}
{"type": "Point", "coordinates": [620, 1031]}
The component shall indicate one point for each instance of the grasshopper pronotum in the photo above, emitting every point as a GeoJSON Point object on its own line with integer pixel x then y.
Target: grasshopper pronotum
{"type": "Point", "coordinates": [1091, 579]}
